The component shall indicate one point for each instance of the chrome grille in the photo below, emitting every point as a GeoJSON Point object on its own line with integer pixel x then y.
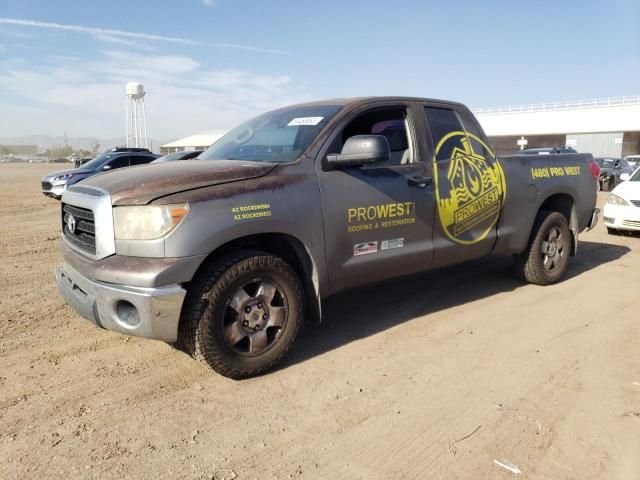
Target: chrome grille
{"type": "Point", "coordinates": [83, 236]}
{"type": "Point", "coordinates": [636, 202]}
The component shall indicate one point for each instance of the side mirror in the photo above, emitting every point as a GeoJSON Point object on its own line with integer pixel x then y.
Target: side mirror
{"type": "Point", "coordinates": [106, 167]}
{"type": "Point", "coordinates": [624, 177]}
{"type": "Point", "coordinates": [361, 150]}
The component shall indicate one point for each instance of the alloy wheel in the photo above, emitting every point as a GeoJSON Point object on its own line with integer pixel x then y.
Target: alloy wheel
{"type": "Point", "coordinates": [255, 316]}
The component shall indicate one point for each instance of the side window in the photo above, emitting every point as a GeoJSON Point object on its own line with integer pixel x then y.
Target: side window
{"type": "Point", "coordinates": [389, 122]}
{"type": "Point", "coordinates": [470, 124]}
{"type": "Point", "coordinates": [442, 121]}
{"type": "Point", "coordinates": [474, 131]}
{"type": "Point", "coordinates": [140, 159]}
{"type": "Point", "coordinates": [119, 162]}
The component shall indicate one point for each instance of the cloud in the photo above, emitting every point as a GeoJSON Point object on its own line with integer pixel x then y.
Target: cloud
{"type": "Point", "coordinates": [65, 58]}
{"type": "Point", "coordinates": [106, 38]}
{"type": "Point", "coordinates": [134, 35]}
{"type": "Point", "coordinates": [87, 97]}
{"type": "Point", "coordinates": [11, 33]}
{"type": "Point", "coordinates": [209, 3]}
{"type": "Point", "coordinates": [132, 64]}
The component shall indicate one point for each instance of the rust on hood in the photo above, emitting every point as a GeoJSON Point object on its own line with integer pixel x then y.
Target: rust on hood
{"type": "Point", "coordinates": [142, 184]}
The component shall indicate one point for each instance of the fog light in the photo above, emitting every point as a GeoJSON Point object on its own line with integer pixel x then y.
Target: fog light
{"type": "Point", "coordinates": [127, 314]}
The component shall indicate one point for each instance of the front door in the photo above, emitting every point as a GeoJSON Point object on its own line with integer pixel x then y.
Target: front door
{"type": "Point", "coordinates": [378, 219]}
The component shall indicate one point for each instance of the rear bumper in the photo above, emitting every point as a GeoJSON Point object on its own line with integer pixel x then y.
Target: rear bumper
{"type": "Point", "coordinates": [594, 219]}
{"type": "Point", "coordinates": [138, 311]}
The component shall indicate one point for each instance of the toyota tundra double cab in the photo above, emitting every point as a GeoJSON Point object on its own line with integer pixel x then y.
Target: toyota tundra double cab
{"type": "Point", "coordinates": [228, 254]}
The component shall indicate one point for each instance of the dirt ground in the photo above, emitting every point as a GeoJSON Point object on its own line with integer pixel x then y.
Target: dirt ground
{"type": "Point", "coordinates": [433, 376]}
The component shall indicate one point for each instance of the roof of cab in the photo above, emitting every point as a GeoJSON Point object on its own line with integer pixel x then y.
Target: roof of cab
{"type": "Point", "coordinates": [374, 99]}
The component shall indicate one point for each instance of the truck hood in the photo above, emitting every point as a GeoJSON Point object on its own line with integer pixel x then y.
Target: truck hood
{"type": "Point", "coordinates": [142, 184]}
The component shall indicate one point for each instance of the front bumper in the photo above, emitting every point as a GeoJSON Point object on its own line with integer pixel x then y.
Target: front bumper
{"type": "Point", "coordinates": [54, 191]}
{"type": "Point", "coordinates": [138, 311]}
{"type": "Point", "coordinates": [621, 217]}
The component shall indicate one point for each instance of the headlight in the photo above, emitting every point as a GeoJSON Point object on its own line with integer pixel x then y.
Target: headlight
{"type": "Point", "coordinates": [614, 199]}
{"type": "Point", "coordinates": [147, 222]}
{"type": "Point", "coordinates": [66, 176]}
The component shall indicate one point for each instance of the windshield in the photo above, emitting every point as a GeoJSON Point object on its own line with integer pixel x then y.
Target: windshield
{"type": "Point", "coordinates": [278, 137]}
{"type": "Point", "coordinates": [636, 176]}
{"type": "Point", "coordinates": [98, 161]}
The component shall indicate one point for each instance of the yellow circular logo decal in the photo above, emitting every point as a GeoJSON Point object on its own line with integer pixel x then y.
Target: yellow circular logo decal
{"type": "Point", "coordinates": [470, 187]}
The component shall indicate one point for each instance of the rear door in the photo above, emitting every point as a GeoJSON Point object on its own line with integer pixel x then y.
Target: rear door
{"type": "Point", "coordinates": [469, 185]}
{"type": "Point", "coordinates": [377, 219]}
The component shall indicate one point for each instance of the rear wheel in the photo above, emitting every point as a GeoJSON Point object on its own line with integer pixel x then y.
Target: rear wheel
{"type": "Point", "coordinates": [546, 258]}
{"type": "Point", "coordinates": [242, 314]}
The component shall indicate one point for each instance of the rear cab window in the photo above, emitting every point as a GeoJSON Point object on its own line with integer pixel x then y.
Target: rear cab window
{"type": "Point", "coordinates": [443, 123]}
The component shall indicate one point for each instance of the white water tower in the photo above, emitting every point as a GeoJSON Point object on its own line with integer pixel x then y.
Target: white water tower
{"type": "Point", "coordinates": [135, 116]}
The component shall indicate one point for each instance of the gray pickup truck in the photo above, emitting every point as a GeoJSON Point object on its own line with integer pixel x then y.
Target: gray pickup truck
{"type": "Point", "coordinates": [228, 254]}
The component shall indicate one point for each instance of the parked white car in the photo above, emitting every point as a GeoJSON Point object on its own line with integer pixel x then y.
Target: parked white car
{"type": "Point", "coordinates": [622, 208]}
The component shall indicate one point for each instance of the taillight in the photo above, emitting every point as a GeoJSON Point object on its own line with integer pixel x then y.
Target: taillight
{"type": "Point", "coordinates": [594, 168]}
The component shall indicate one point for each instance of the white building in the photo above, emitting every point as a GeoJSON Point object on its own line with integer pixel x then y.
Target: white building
{"type": "Point", "coordinates": [602, 127]}
{"type": "Point", "coordinates": [199, 141]}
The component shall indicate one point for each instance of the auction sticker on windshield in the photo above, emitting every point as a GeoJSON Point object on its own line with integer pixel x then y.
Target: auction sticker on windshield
{"type": "Point", "coordinates": [302, 121]}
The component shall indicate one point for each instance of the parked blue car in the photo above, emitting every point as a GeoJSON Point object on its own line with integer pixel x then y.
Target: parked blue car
{"type": "Point", "coordinates": [55, 184]}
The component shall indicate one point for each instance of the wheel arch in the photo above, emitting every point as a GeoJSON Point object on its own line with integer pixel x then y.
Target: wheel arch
{"type": "Point", "coordinates": [565, 204]}
{"type": "Point", "coordinates": [291, 250]}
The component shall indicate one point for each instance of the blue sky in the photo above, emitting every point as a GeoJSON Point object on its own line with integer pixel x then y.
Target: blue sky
{"type": "Point", "coordinates": [212, 63]}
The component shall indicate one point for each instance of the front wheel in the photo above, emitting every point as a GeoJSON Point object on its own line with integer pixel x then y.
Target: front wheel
{"type": "Point", "coordinates": [242, 314]}
{"type": "Point", "coordinates": [546, 258]}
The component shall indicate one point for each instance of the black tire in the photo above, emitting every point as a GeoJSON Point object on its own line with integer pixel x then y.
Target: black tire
{"type": "Point", "coordinates": [208, 314]}
{"type": "Point", "coordinates": [545, 259]}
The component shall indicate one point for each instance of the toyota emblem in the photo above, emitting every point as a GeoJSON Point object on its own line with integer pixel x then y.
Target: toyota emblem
{"type": "Point", "coordinates": [71, 223]}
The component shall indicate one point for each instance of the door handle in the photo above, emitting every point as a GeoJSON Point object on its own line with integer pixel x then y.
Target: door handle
{"type": "Point", "coordinates": [420, 181]}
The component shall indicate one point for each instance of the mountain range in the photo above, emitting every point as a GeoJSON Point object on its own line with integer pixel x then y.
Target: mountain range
{"type": "Point", "coordinates": [85, 143]}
